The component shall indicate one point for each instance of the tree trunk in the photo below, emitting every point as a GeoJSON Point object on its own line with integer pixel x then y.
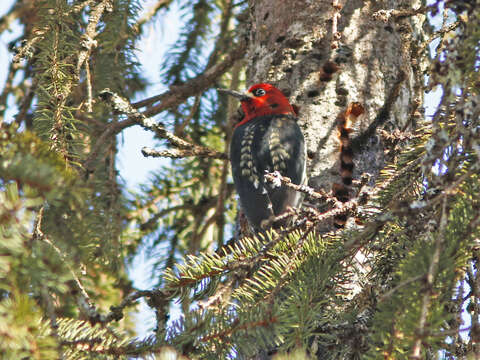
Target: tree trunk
{"type": "Point", "coordinates": [298, 46]}
{"type": "Point", "coordinates": [292, 46]}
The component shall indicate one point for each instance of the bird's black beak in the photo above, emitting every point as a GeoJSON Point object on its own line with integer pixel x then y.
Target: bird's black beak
{"type": "Point", "coordinates": [240, 96]}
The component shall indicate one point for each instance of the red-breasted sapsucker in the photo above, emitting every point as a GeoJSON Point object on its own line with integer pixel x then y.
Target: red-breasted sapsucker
{"type": "Point", "coordinates": [268, 139]}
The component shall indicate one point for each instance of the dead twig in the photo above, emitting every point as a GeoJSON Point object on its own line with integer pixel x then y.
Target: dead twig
{"type": "Point", "coordinates": [179, 93]}
{"type": "Point", "coordinates": [199, 151]}
{"type": "Point", "coordinates": [386, 15]}
{"type": "Point", "coordinates": [336, 35]}
{"type": "Point", "coordinates": [169, 99]}
{"type": "Point", "coordinates": [277, 179]}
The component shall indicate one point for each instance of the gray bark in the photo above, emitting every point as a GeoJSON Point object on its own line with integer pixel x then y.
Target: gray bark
{"type": "Point", "coordinates": [291, 41]}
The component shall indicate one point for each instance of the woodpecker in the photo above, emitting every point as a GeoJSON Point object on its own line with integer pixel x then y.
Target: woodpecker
{"type": "Point", "coordinates": [267, 139]}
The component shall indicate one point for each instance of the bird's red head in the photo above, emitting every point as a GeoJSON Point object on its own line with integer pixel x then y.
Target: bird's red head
{"type": "Point", "coordinates": [260, 100]}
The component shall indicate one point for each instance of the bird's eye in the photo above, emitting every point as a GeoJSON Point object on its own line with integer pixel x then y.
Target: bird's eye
{"type": "Point", "coordinates": [259, 92]}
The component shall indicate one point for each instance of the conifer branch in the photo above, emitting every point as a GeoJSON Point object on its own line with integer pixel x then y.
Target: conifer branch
{"type": "Point", "coordinates": [383, 114]}
{"type": "Point", "coordinates": [88, 43]}
{"type": "Point", "coordinates": [88, 39]}
{"type": "Point", "coordinates": [153, 11]}
{"type": "Point", "coordinates": [84, 301]}
{"type": "Point", "coordinates": [276, 179]}
{"type": "Point", "coordinates": [429, 283]}
{"type": "Point", "coordinates": [26, 51]}
{"type": "Point", "coordinates": [178, 153]}
{"type": "Point", "coordinates": [224, 34]}
{"type": "Point", "coordinates": [439, 33]}
{"type": "Point", "coordinates": [313, 215]}
{"type": "Point", "coordinates": [292, 262]}
{"type": "Point", "coordinates": [388, 294]}
{"type": "Point", "coordinates": [152, 222]}
{"type": "Point", "coordinates": [236, 326]}
{"type": "Point", "coordinates": [396, 136]}
{"type": "Point", "coordinates": [398, 174]}
{"type": "Point", "coordinates": [95, 346]}
{"type": "Point", "coordinates": [223, 291]}
{"type": "Point", "coordinates": [122, 106]}
{"type": "Point", "coordinates": [44, 292]}
{"type": "Point", "coordinates": [179, 93]}
{"type": "Point", "coordinates": [169, 99]}
{"type": "Point", "coordinates": [50, 311]}
{"type": "Point", "coordinates": [156, 298]}
{"type": "Point", "coordinates": [239, 263]}
{"type": "Point", "coordinates": [343, 208]}
{"type": "Point", "coordinates": [180, 129]}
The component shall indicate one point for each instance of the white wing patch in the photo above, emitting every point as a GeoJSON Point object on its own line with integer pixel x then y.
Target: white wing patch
{"type": "Point", "coordinates": [277, 152]}
{"type": "Point", "coordinates": [246, 159]}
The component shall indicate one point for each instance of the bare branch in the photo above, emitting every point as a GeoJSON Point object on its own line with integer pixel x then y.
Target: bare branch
{"type": "Point", "coordinates": [198, 151]}
{"type": "Point", "coordinates": [159, 5]}
{"type": "Point", "coordinates": [276, 178]}
{"type": "Point", "coordinates": [169, 99]}
{"type": "Point", "coordinates": [336, 35]}
{"type": "Point", "coordinates": [88, 39]}
{"type": "Point", "coordinates": [122, 106]}
{"type": "Point", "coordinates": [385, 15]}
{"type": "Point", "coordinates": [440, 33]}
{"type": "Point", "coordinates": [179, 93]}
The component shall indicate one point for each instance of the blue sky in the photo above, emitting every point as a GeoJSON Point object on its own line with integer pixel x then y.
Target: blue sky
{"type": "Point", "coordinates": [134, 168]}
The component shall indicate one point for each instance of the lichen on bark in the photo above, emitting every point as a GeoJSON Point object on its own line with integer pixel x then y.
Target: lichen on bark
{"type": "Point", "coordinates": [289, 47]}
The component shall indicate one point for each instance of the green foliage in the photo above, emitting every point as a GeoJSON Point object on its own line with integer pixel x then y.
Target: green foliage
{"type": "Point", "coordinates": [397, 332]}
{"type": "Point", "coordinates": [388, 288]}
{"type": "Point", "coordinates": [116, 55]}
{"type": "Point", "coordinates": [190, 199]}
{"type": "Point", "coordinates": [253, 315]}
{"type": "Point", "coordinates": [93, 342]}
{"type": "Point", "coordinates": [55, 75]}
{"type": "Point", "coordinates": [25, 335]}
{"type": "Point", "coordinates": [28, 160]}
{"type": "Point", "coordinates": [60, 224]}
{"type": "Point", "coordinates": [183, 59]}
{"type": "Point", "coordinates": [24, 265]}
{"type": "Point", "coordinates": [186, 209]}
{"type": "Point", "coordinates": [38, 186]}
